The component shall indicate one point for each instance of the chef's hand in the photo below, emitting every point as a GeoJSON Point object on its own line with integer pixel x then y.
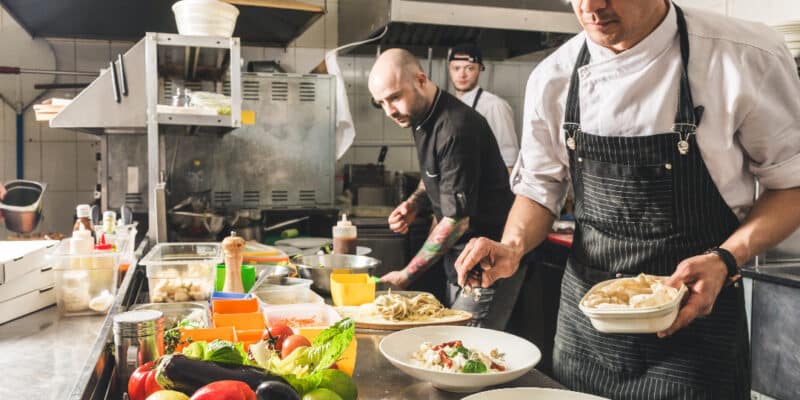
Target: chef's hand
{"type": "Point", "coordinates": [402, 217]}
{"type": "Point", "coordinates": [704, 276]}
{"type": "Point", "coordinates": [397, 279]}
{"type": "Point", "coordinates": [497, 260]}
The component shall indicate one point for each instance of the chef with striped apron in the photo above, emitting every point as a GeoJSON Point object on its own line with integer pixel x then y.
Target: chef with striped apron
{"type": "Point", "coordinates": [663, 201]}
{"type": "Point", "coordinates": [643, 204]}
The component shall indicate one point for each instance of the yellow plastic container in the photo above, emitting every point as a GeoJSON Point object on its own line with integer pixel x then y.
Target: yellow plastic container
{"type": "Point", "coordinates": [352, 289]}
{"type": "Point", "coordinates": [347, 362]}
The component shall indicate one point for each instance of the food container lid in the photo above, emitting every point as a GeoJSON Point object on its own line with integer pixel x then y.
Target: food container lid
{"type": "Point", "coordinates": [182, 253]}
{"type": "Point", "coordinates": [83, 211]}
{"type": "Point", "coordinates": [138, 323]}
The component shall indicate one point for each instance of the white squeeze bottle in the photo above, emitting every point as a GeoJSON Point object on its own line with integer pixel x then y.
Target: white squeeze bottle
{"type": "Point", "coordinates": [345, 237]}
{"type": "Point", "coordinates": [81, 243]}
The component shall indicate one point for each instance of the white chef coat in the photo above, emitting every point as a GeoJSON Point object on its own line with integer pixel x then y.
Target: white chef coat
{"type": "Point", "coordinates": [500, 116]}
{"type": "Point", "coordinates": [741, 72]}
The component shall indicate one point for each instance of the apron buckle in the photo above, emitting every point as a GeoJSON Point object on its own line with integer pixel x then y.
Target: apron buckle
{"type": "Point", "coordinates": [683, 142]}
{"type": "Point", "coordinates": [570, 129]}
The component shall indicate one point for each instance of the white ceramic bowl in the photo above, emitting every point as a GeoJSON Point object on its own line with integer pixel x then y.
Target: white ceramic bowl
{"type": "Point", "coordinates": [205, 17]}
{"type": "Point", "coordinates": [520, 355]}
{"type": "Point", "coordinates": [634, 320]}
{"type": "Point", "coordinates": [532, 393]}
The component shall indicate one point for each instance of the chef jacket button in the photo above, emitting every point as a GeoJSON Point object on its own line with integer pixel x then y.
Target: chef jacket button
{"type": "Point", "coordinates": [618, 275]}
{"type": "Point", "coordinates": [580, 159]}
{"type": "Point", "coordinates": [668, 166]}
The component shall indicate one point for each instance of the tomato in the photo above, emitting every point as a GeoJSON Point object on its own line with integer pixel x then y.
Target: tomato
{"type": "Point", "coordinates": [275, 335]}
{"type": "Point", "coordinates": [225, 390]}
{"type": "Point", "coordinates": [293, 342]}
{"type": "Point", "coordinates": [142, 382]}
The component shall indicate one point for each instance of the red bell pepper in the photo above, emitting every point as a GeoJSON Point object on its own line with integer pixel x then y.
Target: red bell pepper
{"type": "Point", "coordinates": [142, 382]}
{"type": "Point", "coordinates": [225, 390]}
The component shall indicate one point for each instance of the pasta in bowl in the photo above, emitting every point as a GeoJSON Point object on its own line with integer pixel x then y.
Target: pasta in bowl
{"type": "Point", "coordinates": [504, 356]}
{"type": "Point", "coordinates": [642, 304]}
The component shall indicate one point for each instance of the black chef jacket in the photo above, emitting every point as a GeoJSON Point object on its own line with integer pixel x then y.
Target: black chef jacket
{"type": "Point", "coordinates": [461, 166]}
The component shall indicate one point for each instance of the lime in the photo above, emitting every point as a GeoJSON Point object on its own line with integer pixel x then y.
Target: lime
{"type": "Point", "coordinates": [339, 382]}
{"type": "Point", "coordinates": [167, 395]}
{"type": "Point", "coordinates": [322, 394]}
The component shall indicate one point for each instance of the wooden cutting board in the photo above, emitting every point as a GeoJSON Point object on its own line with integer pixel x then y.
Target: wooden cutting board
{"type": "Point", "coordinates": [370, 321]}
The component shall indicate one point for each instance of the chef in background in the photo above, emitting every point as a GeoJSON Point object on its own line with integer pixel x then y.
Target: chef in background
{"type": "Point", "coordinates": [465, 64]}
{"type": "Point", "coordinates": [662, 119]}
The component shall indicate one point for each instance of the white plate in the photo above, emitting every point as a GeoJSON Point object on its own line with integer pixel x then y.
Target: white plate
{"type": "Point", "coordinates": [289, 250]}
{"type": "Point", "coordinates": [532, 393]}
{"type": "Point", "coordinates": [304, 242]}
{"type": "Point", "coordinates": [521, 355]}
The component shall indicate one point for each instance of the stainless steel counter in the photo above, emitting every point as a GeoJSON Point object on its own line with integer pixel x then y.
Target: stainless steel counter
{"type": "Point", "coordinates": [42, 355]}
{"type": "Point", "coordinates": [376, 378]}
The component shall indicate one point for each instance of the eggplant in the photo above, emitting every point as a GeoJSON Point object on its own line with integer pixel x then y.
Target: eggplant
{"type": "Point", "coordinates": [276, 391]}
{"type": "Point", "coordinates": [181, 373]}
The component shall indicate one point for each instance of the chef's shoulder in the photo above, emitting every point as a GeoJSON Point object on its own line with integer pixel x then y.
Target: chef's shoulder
{"type": "Point", "coordinates": [459, 118]}
{"type": "Point", "coordinates": [749, 41]}
{"type": "Point", "coordinates": [551, 76]}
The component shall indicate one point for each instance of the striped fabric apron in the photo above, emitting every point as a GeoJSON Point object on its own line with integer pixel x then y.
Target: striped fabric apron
{"type": "Point", "coordinates": [643, 205]}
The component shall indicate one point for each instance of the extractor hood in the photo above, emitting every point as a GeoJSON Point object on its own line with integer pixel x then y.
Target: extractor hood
{"type": "Point", "coordinates": [502, 28]}
{"type": "Point", "coordinates": [261, 22]}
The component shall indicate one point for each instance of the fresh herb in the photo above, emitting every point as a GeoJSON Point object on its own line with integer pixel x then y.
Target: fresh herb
{"type": "Point", "coordinates": [172, 336]}
{"type": "Point", "coordinates": [458, 350]}
{"type": "Point", "coordinates": [474, 367]}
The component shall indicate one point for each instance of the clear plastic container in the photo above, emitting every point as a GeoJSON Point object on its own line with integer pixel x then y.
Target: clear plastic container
{"type": "Point", "coordinates": [302, 316]}
{"type": "Point", "coordinates": [179, 272]}
{"type": "Point", "coordinates": [86, 284]}
{"type": "Point", "coordinates": [287, 291]}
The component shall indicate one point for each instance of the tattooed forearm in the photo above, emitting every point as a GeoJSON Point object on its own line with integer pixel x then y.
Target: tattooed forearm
{"type": "Point", "coordinates": [420, 197]}
{"type": "Point", "coordinates": [441, 239]}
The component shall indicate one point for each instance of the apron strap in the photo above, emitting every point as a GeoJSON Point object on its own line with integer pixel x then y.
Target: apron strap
{"type": "Point", "coordinates": [687, 118]}
{"type": "Point", "coordinates": [477, 97]}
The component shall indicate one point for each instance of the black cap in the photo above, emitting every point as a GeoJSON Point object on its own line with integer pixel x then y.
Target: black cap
{"type": "Point", "coordinates": [466, 52]}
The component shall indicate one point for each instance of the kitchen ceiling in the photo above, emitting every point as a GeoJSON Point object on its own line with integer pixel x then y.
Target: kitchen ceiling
{"type": "Point", "coordinates": [258, 23]}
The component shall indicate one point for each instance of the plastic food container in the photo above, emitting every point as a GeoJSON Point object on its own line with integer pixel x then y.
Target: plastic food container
{"type": "Point", "coordinates": [287, 291]}
{"type": "Point", "coordinates": [633, 320]}
{"type": "Point", "coordinates": [302, 316]}
{"type": "Point", "coordinates": [240, 321]}
{"type": "Point", "coordinates": [233, 306]}
{"type": "Point", "coordinates": [352, 289]}
{"type": "Point", "coordinates": [205, 17]}
{"type": "Point", "coordinates": [86, 284]}
{"type": "Point", "coordinates": [178, 272]}
{"type": "Point", "coordinates": [177, 312]}
{"type": "Point", "coordinates": [205, 335]}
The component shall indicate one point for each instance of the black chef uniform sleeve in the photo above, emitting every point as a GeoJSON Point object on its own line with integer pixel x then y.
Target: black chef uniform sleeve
{"type": "Point", "coordinates": [459, 175]}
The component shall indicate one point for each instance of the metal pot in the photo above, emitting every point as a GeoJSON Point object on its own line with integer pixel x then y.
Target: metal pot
{"type": "Point", "coordinates": [186, 219]}
{"type": "Point", "coordinates": [319, 268]}
{"type": "Point", "coordinates": [22, 205]}
{"type": "Point", "coordinates": [249, 233]}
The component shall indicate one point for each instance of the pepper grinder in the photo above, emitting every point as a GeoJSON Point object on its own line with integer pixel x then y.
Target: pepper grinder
{"type": "Point", "coordinates": [233, 247]}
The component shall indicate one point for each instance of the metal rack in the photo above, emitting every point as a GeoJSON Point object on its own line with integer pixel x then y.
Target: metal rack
{"type": "Point", "coordinates": [124, 99]}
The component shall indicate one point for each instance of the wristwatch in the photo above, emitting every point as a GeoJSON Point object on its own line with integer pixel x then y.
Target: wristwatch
{"type": "Point", "coordinates": [729, 261]}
